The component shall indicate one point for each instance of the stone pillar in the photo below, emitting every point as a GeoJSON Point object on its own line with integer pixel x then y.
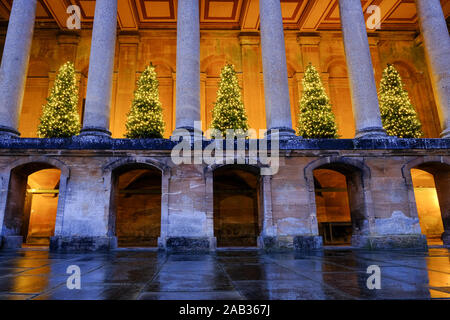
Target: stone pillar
{"type": "Point", "coordinates": [13, 70]}
{"type": "Point", "coordinates": [67, 47]}
{"type": "Point", "coordinates": [366, 109]}
{"type": "Point", "coordinates": [188, 65]}
{"type": "Point", "coordinates": [309, 46]}
{"type": "Point", "coordinates": [437, 49]}
{"type": "Point", "coordinates": [276, 86]}
{"type": "Point", "coordinates": [101, 64]}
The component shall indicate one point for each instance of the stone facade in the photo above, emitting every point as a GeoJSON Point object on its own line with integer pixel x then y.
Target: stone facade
{"type": "Point", "coordinates": [382, 210]}
{"type": "Point", "coordinates": [382, 201]}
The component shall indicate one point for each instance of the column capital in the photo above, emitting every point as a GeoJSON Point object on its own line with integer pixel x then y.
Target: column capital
{"type": "Point", "coordinates": [127, 38]}
{"type": "Point", "coordinates": [249, 39]}
{"type": "Point", "coordinates": [373, 40]}
{"type": "Point", "coordinates": [68, 38]}
{"type": "Point", "coordinates": [308, 40]}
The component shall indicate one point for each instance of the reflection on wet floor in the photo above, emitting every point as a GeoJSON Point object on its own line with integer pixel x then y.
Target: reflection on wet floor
{"type": "Point", "coordinates": [340, 273]}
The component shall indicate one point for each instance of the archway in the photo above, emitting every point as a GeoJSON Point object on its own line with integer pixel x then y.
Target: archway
{"type": "Point", "coordinates": [339, 194]}
{"type": "Point", "coordinates": [332, 207]}
{"type": "Point", "coordinates": [431, 185]}
{"type": "Point", "coordinates": [136, 205]}
{"type": "Point", "coordinates": [32, 204]}
{"type": "Point", "coordinates": [237, 222]}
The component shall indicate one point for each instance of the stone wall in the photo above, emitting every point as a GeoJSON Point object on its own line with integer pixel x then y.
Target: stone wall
{"type": "Point", "coordinates": [381, 196]}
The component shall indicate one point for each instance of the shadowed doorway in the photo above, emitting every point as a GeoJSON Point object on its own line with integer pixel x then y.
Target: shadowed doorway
{"type": "Point", "coordinates": [237, 221]}
{"type": "Point", "coordinates": [137, 205]}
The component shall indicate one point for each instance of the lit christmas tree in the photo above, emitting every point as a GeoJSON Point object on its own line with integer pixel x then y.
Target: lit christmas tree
{"type": "Point", "coordinates": [316, 120]}
{"type": "Point", "coordinates": [60, 117]}
{"type": "Point", "coordinates": [229, 111]}
{"type": "Point", "coordinates": [145, 119]}
{"type": "Point", "coordinates": [397, 112]}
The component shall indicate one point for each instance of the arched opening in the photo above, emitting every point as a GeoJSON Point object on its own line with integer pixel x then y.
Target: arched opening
{"type": "Point", "coordinates": [431, 183]}
{"type": "Point", "coordinates": [32, 204]}
{"type": "Point", "coordinates": [136, 205]}
{"type": "Point", "coordinates": [340, 208]}
{"type": "Point", "coordinates": [237, 222]}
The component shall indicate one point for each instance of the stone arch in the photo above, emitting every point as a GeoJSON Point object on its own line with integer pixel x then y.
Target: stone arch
{"type": "Point", "coordinates": [439, 167]}
{"type": "Point", "coordinates": [336, 67]}
{"type": "Point", "coordinates": [110, 181]}
{"type": "Point", "coordinates": [358, 175]}
{"type": "Point", "coordinates": [16, 174]}
{"type": "Point", "coordinates": [212, 64]}
{"type": "Point", "coordinates": [163, 67]}
{"type": "Point", "coordinates": [231, 228]}
{"type": "Point", "coordinates": [265, 201]}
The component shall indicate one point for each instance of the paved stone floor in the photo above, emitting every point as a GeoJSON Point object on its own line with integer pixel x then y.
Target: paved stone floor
{"type": "Point", "coordinates": [143, 274]}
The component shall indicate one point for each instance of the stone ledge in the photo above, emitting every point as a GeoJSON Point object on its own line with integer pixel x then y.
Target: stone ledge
{"type": "Point", "coordinates": [308, 243]}
{"type": "Point", "coordinates": [296, 143]}
{"type": "Point", "coordinates": [389, 242]}
{"type": "Point", "coordinates": [288, 243]}
{"type": "Point", "coordinates": [189, 244]}
{"type": "Point", "coordinates": [82, 244]}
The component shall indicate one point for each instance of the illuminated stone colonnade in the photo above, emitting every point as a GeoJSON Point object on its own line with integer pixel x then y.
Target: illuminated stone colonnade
{"type": "Point", "coordinates": [276, 87]}
{"type": "Point", "coordinates": [377, 170]}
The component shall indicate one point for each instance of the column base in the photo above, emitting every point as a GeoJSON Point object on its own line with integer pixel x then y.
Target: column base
{"type": "Point", "coordinates": [82, 244]}
{"type": "Point", "coordinates": [445, 134]}
{"type": "Point", "coordinates": [371, 133]}
{"type": "Point", "coordinates": [8, 132]}
{"type": "Point", "coordinates": [284, 133]}
{"type": "Point", "coordinates": [288, 243]}
{"type": "Point", "coordinates": [192, 132]}
{"type": "Point", "coordinates": [389, 242]}
{"type": "Point", "coordinates": [446, 238]}
{"type": "Point", "coordinates": [188, 244]}
{"type": "Point", "coordinates": [95, 131]}
{"type": "Point", "coordinates": [11, 242]}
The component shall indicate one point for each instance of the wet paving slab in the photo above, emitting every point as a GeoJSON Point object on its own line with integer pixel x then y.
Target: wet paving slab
{"type": "Point", "coordinates": [131, 274]}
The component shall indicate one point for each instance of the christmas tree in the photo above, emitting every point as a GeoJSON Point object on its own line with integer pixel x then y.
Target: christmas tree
{"type": "Point", "coordinates": [145, 119]}
{"type": "Point", "coordinates": [316, 120]}
{"type": "Point", "coordinates": [60, 117]}
{"type": "Point", "coordinates": [229, 111]}
{"type": "Point", "coordinates": [397, 112]}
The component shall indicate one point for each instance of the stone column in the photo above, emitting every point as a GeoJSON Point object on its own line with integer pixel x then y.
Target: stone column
{"type": "Point", "coordinates": [13, 70]}
{"type": "Point", "coordinates": [188, 65]}
{"type": "Point", "coordinates": [101, 64]}
{"type": "Point", "coordinates": [276, 86]}
{"type": "Point", "coordinates": [365, 105]}
{"type": "Point", "coordinates": [437, 50]}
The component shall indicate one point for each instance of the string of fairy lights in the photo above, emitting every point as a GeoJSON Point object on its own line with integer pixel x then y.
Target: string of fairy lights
{"type": "Point", "coordinates": [60, 116]}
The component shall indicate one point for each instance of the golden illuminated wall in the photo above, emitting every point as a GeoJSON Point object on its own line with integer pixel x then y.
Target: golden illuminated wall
{"type": "Point", "coordinates": [427, 203]}
{"type": "Point", "coordinates": [133, 52]}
